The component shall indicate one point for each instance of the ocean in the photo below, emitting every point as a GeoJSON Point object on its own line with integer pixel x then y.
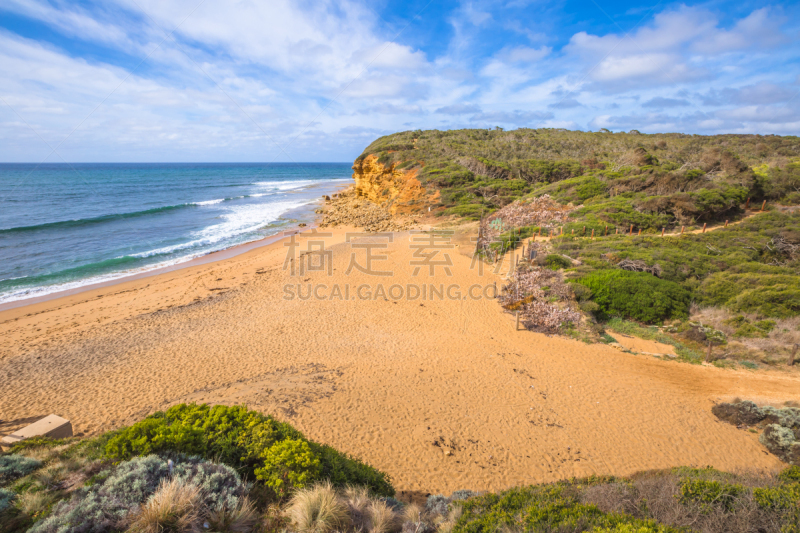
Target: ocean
{"type": "Point", "coordinates": [63, 226]}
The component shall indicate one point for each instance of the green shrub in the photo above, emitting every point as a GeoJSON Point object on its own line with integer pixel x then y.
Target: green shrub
{"type": "Point", "coordinates": [582, 292]}
{"type": "Point", "coordinates": [274, 452]}
{"type": "Point", "coordinates": [288, 464]}
{"type": "Point", "coordinates": [555, 507]}
{"type": "Point", "coordinates": [556, 262]}
{"type": "Point", "coordinates": [708, 493]}
{"type": "Point", "coordinates": [791, 474]}
{"type": "Point", "coordinates": [15, 466]}
{"type": "Point", "coordinates": [772, 295]}
{"type": "Point", "coordinates": [636, 295]}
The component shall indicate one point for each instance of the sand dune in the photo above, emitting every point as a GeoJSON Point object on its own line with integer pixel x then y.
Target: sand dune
{"type": "Point", "coordinates": [442, 394]}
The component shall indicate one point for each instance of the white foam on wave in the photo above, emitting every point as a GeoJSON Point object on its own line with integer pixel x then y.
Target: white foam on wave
{"type": "Point", "coordinates": [211, 202]}
{"type": "Point", "coordinates": [295, 184]}
{"type": "Point", "coordinates": [240, 221]}
{"type": "Point", "coordinates": [33, 292]}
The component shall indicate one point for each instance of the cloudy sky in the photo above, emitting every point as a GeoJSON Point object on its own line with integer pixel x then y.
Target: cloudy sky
{"type": "Point", "coordinates": [283, 80]}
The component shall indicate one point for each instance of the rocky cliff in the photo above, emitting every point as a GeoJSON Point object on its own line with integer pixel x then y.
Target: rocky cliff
{"type": "Point", "coordinates": [397, 190]}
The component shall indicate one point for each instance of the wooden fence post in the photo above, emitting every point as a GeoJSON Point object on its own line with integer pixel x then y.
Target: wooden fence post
{"type": "Point", "coordinates": [704, 227]}
{"type": "Point", "coordinates": [640, 232]}
{"type": "Point", "coordinates": [794, 353]}
{"type": "Point", "coordinates": [606, 233]}
{"type": "Point", "coordinates": [708, 355]}
{"type": "Point", "coordinates": [763, 205]}
{"type": "Point", "coordinates": [540, 231]}
{"type": "Point", "coordinates": [584, 231]}
{"type": "Point", "coordinates": [517, 327]}
{"type": "Point", "coordinates": [631, 232]}
{"type": "Point", "coordinates": [592, 233]}
{"type": "Point", "coordinates": [663, 230]}
{"type": "Point", "coordinates": [726, 223]}
{"type": "Point", "coordinates": [747, 204]}
{"type": "Point", "coordinates": [682, 229]}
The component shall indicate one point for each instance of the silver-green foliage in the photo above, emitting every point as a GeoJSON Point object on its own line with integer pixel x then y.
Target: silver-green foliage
{"type": "Point", "coordinates": [15, 466]}
{"type": "Point", "coordinates": [6, 496]}
{"type": "Point", "coordinates": [221, 486]}
{"type": "Point", "coordinates": [105, 506]}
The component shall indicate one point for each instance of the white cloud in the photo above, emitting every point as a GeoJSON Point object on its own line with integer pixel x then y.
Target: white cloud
{"type": "Point", "coordinates": [517, 118]}
{"type": "Point", "coordinates": [760, 29]}
{"type": "Point", "coordinates": [325, 78]}
{"type": "Point", "coordinates": [459, 109]}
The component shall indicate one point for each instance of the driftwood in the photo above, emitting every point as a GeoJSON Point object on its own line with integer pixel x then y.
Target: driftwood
{"type": "Point", "coordinates": [639, 266]}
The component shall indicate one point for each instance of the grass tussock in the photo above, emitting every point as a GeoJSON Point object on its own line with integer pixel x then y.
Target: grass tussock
{"type": "Point", "coordinates": [321, 509]}
{"type": "Point", "coordinates": [34, 503]}
{"type": "Point", "coordinates": [174, 507]}
{"type": "Point", "coordinates": [318, 509]}
{"type": "Point", "coordinates": [241, 519]}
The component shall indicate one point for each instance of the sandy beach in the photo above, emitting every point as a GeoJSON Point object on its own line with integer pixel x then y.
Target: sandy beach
{"type": "Point", "coordinates": [442, 393]}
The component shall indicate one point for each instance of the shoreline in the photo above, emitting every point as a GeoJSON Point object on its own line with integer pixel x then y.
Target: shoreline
{"type": "Point", "coordinates": [210, 257]}
{"type": "Point", "coordinates": [394, 382]}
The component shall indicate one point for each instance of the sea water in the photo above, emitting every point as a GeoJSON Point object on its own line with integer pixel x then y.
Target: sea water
{"type": "Point", "coordinates": [63, 226]}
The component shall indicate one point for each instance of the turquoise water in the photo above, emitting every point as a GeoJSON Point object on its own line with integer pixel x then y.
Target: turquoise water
{"type": "Point", "coordinates": [63, 226]}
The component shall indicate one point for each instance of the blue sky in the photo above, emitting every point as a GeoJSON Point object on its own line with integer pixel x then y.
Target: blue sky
{"type": "Point", "coordinates": [278, 80]}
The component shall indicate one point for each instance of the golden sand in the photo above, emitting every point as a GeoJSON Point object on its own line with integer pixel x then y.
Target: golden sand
{"type": "Point", "coordinates": [442, 394]}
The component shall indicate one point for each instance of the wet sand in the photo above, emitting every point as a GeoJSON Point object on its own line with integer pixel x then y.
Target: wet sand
{"type": "Point", "coordinates": [442, 393]}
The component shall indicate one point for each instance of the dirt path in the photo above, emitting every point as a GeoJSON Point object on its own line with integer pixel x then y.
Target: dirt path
{"type": "Point", "coordinates": [398, 383]}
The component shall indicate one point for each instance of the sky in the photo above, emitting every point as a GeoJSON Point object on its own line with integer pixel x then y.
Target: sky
{"type": "Point", "coordinates": [297, 81]}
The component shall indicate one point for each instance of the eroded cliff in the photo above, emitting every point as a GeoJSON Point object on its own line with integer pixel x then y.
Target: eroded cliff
{"type": "Point", "coordinates": [397, 190]}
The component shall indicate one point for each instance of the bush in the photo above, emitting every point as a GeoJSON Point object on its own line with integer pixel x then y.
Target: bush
{"type": "Point", "coordinates": [288, 464]}
{"type": "Point", "coordinates": [15, 466]}
{"type": "Point", "coordinates": [6, 497]}
{"type": "Point", "coordinates": [221, 486]}
{"type": "Point", "coordinates": [274, 452]}
{"type": "Point", "coordinates": [556, 262]}
{"type": "Point", "coordinates": [710, 492]}
{"type": "Point", "coordinates": [118, 494]}
{"type": "Point", "coordinates": [543, 508]}
{"type": "Point", "coordinates": [636, 295]}
{"type": "Point", "coordinates": [107, 505]}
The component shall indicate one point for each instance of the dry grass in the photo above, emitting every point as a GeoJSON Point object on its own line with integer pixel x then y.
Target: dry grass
{"type": "Point", "coordinates": [174, 507]}
{"type": "Point", "coordinates": [52, 475]}
{"type": "Point", "coordinates": [446, 524]}
{"type": "Point", "coordinates": [358, 502]}
{"type": "Point", "coordinates": [413, 513]}
{"type": "Point", "coordinates": [239, 520]}
{"type": "Point", "coordinates": [42, 454]}
{"type": "Point", "coordinates": [317, 509]}
{"type": "Point", "coordinates": [773, 349]}
{"type": "Point", "coordinates": [382, 518]}
{"type": "Point", "coordinates": [657, 496]}
{"type": "Point", "coordinates": [33, 503]}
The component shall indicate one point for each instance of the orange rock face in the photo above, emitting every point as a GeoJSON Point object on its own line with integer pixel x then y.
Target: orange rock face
{"type": "Point", "coordinates": [398, 190]}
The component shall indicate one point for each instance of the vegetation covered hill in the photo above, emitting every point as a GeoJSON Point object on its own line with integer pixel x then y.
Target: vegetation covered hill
{"type": "Point", "coordinates": [608, 198]}
{"type": "Point", "coordinates": [646, 180]}
{"type": "Point", "coordinates": [228, 469]}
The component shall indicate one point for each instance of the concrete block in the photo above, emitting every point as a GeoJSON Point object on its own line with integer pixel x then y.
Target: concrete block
{"type": "Point", "coordinates": [52, 426]}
